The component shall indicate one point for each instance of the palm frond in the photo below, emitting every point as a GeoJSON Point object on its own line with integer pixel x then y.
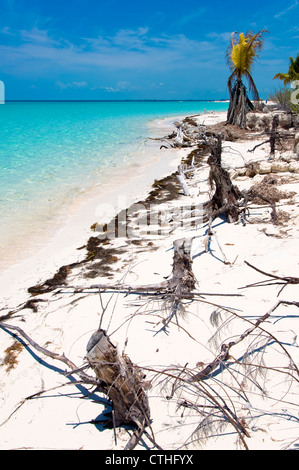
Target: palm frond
{"type": "Point", "coordinates": [243, 51]}
{"type": "Point", "coordinates": [230, 81]}
{"type": "Point", "coordinates": [292, 74]}
{"type": "Point", "coordinates": [252, 87]}
{"type": "Point", "coordinates": [256, 40]}
{"type": "Point", "coordinates": [294, 64]}
{"type": "Point", "coordinates": [241, 55]}
{"type": "Point", "coordinates": [284, 77]}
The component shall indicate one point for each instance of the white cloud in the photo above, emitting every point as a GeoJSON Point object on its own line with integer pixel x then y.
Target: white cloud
{"type": "Point", "coordinates": [283, 12]}
{"type": "Point", "coordinates": [6, 30]}
{"type": "Point", "coordinates": [220, 36]}
{"type": "Point", "coordinates": [121, 86]}
{"type": "Point", "coordinates": [64, 86]}
{"type": "Point", "coordinates": [38, 36]}
{"type": "Point", "coordinates": [127, 55]}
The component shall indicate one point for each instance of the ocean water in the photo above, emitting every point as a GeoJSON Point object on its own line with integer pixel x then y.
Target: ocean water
{"type": "Point", "coordinates": [51, 152]}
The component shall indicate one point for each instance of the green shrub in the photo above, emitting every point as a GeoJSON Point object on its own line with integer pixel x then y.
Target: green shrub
{"type": "Point", "coordinates": [282, 97]}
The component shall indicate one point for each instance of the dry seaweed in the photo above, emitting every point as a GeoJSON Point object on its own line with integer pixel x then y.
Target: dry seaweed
{"type": "Point", "coordinates": [266, 191]}
{"type": "Point", "coordinates": [11, 354]}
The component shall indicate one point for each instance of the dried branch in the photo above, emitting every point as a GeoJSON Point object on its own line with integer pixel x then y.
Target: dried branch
{"type": "Point", "coordinates": [274, 136]}
{"type": "Point", "coordinates": [74, 369]}
{"type": "Point", "coordinates": [225, 348]}
{"type": "Point", "coordinates": [275, 280]}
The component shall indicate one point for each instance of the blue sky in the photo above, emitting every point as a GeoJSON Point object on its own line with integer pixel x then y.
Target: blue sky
{"type": "Point", "coordinates": [128, 49]}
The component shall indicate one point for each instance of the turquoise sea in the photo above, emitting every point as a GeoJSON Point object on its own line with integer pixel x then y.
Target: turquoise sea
{"type": "Point", "coordinates": [50, 152]}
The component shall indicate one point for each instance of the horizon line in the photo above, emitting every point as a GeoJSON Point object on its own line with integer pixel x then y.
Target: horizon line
{"type": "Point", "coordinates": [117, 100]}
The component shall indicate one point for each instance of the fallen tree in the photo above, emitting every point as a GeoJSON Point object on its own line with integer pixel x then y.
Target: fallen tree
{"type": "Point", "coordinates": [226, 195]}
{"type": "Point", "coordinates": [121, 381]}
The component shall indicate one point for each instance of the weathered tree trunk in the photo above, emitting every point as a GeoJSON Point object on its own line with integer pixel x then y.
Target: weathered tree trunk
{"type": "Point", "coordinates": [122, 381]}
{"type": "Point", "coordinates": [274, 136]}
{"type": "Point", "coordinates": [183, 279]}
{"type": "Point", "coordinates": [239, 105]}
{"type": "Point", "coordinates": [226, 194]}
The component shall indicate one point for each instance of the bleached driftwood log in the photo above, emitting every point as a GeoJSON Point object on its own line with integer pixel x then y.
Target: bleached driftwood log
{"type": "Point", "coordinates": [182, 180]}
{"type": "Point", "coordinates": [121, 380]}
{"type": "Point", "coordinates": [180, 136]}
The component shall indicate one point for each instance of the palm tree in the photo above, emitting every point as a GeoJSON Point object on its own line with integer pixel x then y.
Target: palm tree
{"type": "Point", "coordinates": [293, 72]}
{"type": "Point", "coordinates": [241, 55]}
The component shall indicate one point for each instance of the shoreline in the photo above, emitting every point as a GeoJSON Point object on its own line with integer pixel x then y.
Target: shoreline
{"type": "Point", "coordinates": [64, 321]}
{"type": "Point", "coordinates": [71, 227]}
{"type": "Point", "coordinates": [40, 220]}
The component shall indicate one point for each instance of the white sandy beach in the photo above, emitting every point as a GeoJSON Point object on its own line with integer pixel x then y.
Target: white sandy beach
{"type": "Point", "coordinates": [265, 399]}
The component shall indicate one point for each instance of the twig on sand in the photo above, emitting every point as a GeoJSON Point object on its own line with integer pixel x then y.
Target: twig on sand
{"type": "Point", "coordinates": [274, 279]}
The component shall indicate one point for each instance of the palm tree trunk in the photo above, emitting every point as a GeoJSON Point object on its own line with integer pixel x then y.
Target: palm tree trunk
{"type": "Point", "coordinates": [239, 105]}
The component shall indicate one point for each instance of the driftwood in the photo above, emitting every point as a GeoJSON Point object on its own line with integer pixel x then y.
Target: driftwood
{"type": "Point", "coordinates": [177, 139]}
{"type": "Point", "coordinates": [122, 381]}
{"type": "Point", "coordinates": [73, 368]}
{"type": "Point", "coordinates": [179, 286]}
{"type": "Point", "coordinates": [274, 279]}
{"type": "Point", "coordinates": [173, 291]}
{"type": "Point", "coordinates": [226, 195]}
{"type": "Point", "coordinates": [274, 136]}
{"type": "Point", "coordinates": [182, 280]}
{"type": "Point", "coordinates": [226, 347]}
{"type": "Point", "coordinates": [182, 180]}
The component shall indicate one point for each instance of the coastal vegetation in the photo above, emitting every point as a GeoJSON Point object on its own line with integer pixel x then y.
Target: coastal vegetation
{"type": "Point", "coordinates": [288, 98]}
{"type": "Point", "coordinates": [241, 55]}
{"type": "Point", "coordinates": [292, 74]}
{"type": "Point", "coordinates": [282, 97]}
